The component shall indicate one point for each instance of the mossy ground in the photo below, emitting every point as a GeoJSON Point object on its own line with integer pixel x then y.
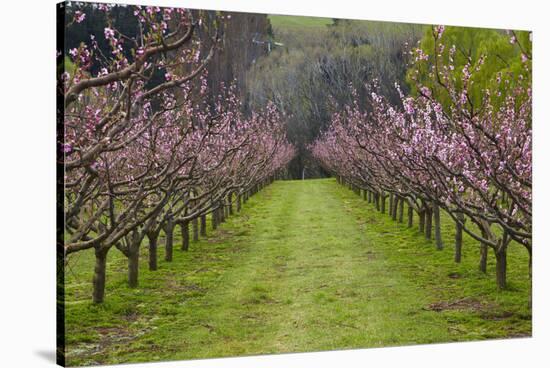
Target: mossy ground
{"type": "Point", "coordinates": [306, 266]}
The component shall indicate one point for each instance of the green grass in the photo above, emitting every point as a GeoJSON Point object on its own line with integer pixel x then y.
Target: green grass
{"type": "Point", "coordinates": [306, 266]}
{"type": "Point", "coordinates": [298, 23]}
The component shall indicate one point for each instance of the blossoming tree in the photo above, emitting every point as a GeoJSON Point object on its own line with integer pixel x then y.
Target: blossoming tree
{"type": "Point", "coordinates": [471, 159]}
{"type": "Point", "coordinates": [141, 155]}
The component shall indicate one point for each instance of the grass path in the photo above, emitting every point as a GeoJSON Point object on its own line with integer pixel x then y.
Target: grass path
{"type": "Point", "coordinates": [306, 266]}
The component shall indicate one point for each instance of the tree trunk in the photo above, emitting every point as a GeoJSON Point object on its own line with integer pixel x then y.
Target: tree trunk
{"type": "Point", "coordinates": [483, 257]}
{"type": "Point", "coordinates": [185, 235]}
{"type": "Point", "coordinates": [483, 254]}
{"type": "Point", "coordinates": [364, 195]}
{"type": "Point", "coordinates": [377, 201]}
{"type": "Point", "coordinates": [203, 225]}
{"type": "Point", "coordinates": [396, 201]}
{"type": "Point", "coordinates": [100, 271]}
{"type": "Point", "coordinates": [383, 204]}
{"type": "Point", "coordinates": [195, 226]}
{"type": "Point", "coordinates": [238, 203]}
{"type": "Point", "coordinates": [500, 255]}
{"type": "Point", "coordinates": [401, 209]}
{"type": "Point", "coordinates": [391, 205]}
{"type": "Point", "coordinates": [133, 266]}
{"type": "Point", "coordinates": [458, 237]}
{"type": "Point", "coordinates": [221, 211]}
{"type": "Point", "coordinates": [428, 225]}
{"type": "Point", "coordinates": [421, 220]}
{"type": "Point", "coordinates": [152, 252]}
{"type": "Point", "coordinates": [437, 227]}
{"type": "Point", "coordinates": [230, 202]}
{"type": "Point", "coordinates": [169, 241]}
{"type": "Point", "coordinates": [214, 219]}
{"type": "Point", "coordinates": [410, 215]}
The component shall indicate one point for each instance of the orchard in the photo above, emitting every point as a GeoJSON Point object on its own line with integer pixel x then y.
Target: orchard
{"type": "Point", "coordinates": [131, 170]}
{"type": "Point", "coordinates": [224, 182]}
{"type": "Point", "coordinates": [472, 160]}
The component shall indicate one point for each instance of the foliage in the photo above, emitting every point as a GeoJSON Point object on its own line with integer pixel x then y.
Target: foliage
{"type": "Point", "coordinates": [311, 75]}
{"type": "Point", "coordinates": [281, 23]}
{"type": "Point", "coordinates": [503, 54]}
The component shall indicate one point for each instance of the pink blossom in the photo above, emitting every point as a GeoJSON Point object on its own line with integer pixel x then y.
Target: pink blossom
{"type": "Point", "coordinates": [408, 105]}
{"type": "Point", "coordinates": [426, 91]}
{"type": "Point", "coordinates": [439, 30]}
{"type": "Point", "coordinates": [79, 16]}
{"type": "Point", "coordinates": [109, 33]}
{"type": "Point", "coordinates": [66, 148]}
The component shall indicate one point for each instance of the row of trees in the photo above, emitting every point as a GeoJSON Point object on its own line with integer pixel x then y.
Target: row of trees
{"type": "Point", "coordinates": [142, 156]}
{"type": "Point", "coordinates": [309, 76]}
{"type": "Point", "coordinates": [454, 145]}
